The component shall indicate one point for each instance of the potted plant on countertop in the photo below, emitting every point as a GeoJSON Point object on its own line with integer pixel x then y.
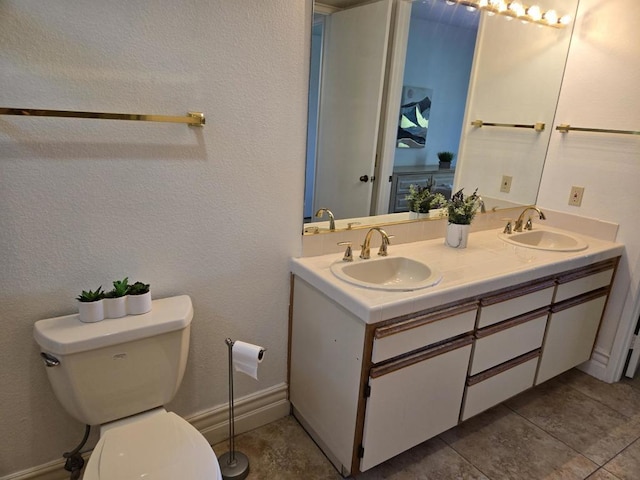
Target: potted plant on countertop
{"type": "Point", "coordinates": [91, 306]}
{"type": "Point", "coordinates": [115, 301]}
{"type": "Point", "coordinates": [461, 211]}
{"type": "Point", "coordinates": [139, 298]}
{"type": "Point", "coordinates": [445, 159]}
{"type": "Point", "coordinates": [421, 200]}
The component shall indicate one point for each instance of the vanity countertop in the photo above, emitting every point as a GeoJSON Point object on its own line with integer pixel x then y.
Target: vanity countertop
{"type": "Point", "coordinates": [487, 264]}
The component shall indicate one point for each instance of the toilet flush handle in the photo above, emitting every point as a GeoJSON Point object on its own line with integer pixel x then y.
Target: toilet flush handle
{"type": "Point", "coordinates": [49, 360]}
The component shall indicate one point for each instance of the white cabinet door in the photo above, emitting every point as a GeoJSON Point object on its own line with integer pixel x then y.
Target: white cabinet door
{"type": "Point", "coordinates": [413, 399]}
{"type": "Point", "coordinates": [571, 333]}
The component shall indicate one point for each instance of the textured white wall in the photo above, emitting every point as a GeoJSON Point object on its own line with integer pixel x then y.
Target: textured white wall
{"type": "Point", "coordinates": [600, 90]}
{"type": "Point", "coordinates": [213, 213]}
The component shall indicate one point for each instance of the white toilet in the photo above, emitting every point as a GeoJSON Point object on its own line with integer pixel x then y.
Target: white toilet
{"type": "Point", "coordinates": [118, 373]}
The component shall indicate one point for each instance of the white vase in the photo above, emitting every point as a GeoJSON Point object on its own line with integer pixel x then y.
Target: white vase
{"type": "Point", "coordinates": [91, 312]}
{"type": "Point", "coordinates": [457, 235]}
{"type": "Point", "coordinates": [139, 304]}
{"type": "Point", "coordinates": [115, 307]}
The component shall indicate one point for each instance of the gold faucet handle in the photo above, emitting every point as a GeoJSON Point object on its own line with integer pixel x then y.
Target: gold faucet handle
{"type": "Point", "coordinates": [528, 225]}
{"type": "Point", "coordinates": [351, 224]}
{"type": "Point", "coordinates": [508, 228]}
{"type": "Point", "coordinates": [348, 253]}
{"type": "Point", "coordinates": [383, 246]}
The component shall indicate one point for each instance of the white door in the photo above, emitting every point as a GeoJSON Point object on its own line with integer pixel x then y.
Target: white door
{"type": "Point", "coordinates": [354, 60]}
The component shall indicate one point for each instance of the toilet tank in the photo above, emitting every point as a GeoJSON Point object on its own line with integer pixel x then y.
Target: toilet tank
{"type": "Point", "coordinates": [117, 367]}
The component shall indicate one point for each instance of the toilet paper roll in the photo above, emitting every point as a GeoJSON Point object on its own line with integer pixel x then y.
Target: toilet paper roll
{"type": "Point", "coordinates": [246, 358]}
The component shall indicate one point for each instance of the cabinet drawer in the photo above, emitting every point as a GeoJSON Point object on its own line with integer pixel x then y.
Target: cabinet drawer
{"type": "Point", "coordinates": [417, 332]}
{"type": "Point", "coordinates": [512, 303]}
{"type": "Point", "coordinates": [582, 285]}
{"type": "Point", "coordinates": [506, 383]}
{"type": "Point", "coordinates": [500, 343]}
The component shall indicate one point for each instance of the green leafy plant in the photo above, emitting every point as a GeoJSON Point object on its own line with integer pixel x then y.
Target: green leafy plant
{"type": "Point", "coordinates": [421, 199]}
{"type": "Point", "coordinates": [462, 209]}
{"type": "Point", "coordinates": [91, 296]}
{"type": "Point", "coordinates": [138, 288]}
{"type": "Point", "coordinates": [446, 156]}
{"type": "Point", "coordinates": [120, 288]}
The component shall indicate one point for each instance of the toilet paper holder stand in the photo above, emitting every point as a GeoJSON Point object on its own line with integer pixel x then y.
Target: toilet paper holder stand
{"type": "Point", "coordinates": [234, 465]}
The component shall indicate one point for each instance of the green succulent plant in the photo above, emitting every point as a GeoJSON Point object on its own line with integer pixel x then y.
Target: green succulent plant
{"type": "Point", "coordinates": [91, 296]}
{"type": "Point", "coordinates": [138, 288]}
{"type": "Point", "coordinates": [120, 288]}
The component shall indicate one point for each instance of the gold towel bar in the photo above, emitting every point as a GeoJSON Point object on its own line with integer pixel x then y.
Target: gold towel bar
{"type": "Point", "coordinates": [193, 119]}
{"type": "Point", "coordinates": [565, 128]}
{"type": "Point", "coordinates": [538, 127]}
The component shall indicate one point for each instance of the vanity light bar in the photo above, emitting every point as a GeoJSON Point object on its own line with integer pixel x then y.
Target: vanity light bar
{"type": "Point", "coordinates": [515, 9]}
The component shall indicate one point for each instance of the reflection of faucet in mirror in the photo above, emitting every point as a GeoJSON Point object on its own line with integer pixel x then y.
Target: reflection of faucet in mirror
{"type": "Point", "coordinates": [332, 221]}
{"type": "Point", "coordinates": [483, 209]}
{"type": "Point", "coordinates": [518, 225]}
{"type": "Point", "coordinates": [365, 254]}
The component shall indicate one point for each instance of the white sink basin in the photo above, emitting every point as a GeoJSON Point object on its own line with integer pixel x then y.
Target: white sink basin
{"type": "Point", "coordinates": [545, 240]}
{"type": "Point", "coordinates": [387, 273]}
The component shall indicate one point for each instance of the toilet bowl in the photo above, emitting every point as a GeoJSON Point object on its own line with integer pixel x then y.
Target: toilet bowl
{"type": "Point", "coordinates": [118, 373]}
{"type": "Point", "coordinates": [156, 445]}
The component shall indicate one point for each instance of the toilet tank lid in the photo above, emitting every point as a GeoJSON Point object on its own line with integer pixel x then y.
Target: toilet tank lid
{"type": "Point", "coordinates": [66, 335]}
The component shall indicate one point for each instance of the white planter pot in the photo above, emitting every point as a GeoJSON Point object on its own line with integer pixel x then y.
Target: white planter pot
{"type": "Point", "coordinates": [91, 312]}
{"type": "Point", "coordinates": [115, 307]}
{"type": "Point", "coordinates": [418, 215]}
{"type": "Point", "coordinates": [457, 235]}
{"type": "Point", "coordinates": [138, 304]}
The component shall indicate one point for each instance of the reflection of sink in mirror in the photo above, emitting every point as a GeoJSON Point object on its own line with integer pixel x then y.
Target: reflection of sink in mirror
{"type": "Point", "coordinates": [387, 273]}
{"type": "Point", "coordinates": [545, 240]}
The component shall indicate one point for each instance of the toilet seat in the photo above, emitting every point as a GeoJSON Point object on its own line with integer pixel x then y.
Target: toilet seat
{"type": "Point", "coordinates": [158, 446]}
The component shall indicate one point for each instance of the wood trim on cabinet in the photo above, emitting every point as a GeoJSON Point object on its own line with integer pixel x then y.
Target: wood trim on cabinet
{"type": "Point", "coordinates": [513, 322]}
{"type": "Point", "coordinates": [588, 270]}
{"type": "Point", "coordinates": [492, 372]}
{"type": "Point", "coordinates": [585, 297]}
{"type": "Point", "coordinates": [419, 356]}
{"type": "Point", "coordinates": [417, 321]}
{"type": "Point", "coordinates": [517, 291]}
{"type": "Point", "coordinates": [362, 399]}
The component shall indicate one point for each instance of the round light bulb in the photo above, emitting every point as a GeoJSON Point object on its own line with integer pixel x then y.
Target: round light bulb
{"type": "Point", "coordinates": [471, 8]}
{"type": "Point", "coordinates": [483, 3]}
{"type": "Point", "coordinates": [534, 12]}
{"type": "Point", "coordinates": [551, 17]}
{"type": "Point", "coordinates": [565, 20]}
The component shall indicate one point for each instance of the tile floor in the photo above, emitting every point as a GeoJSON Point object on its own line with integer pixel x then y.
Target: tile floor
{"type": "Point", "coordinates": [572, 427]}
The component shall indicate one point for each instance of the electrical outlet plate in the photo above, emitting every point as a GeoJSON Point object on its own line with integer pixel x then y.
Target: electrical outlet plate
{"type": "Point", "coordinates": [505, 186]}
{"type": "Point", "coordinates": [575, 197]}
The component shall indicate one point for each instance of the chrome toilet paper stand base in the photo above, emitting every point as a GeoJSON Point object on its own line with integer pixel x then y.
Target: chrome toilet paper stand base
{"type": "Point", "coordinates": [233, 465]}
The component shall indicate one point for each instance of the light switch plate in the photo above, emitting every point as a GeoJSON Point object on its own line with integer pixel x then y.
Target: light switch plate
{"type": "Point", "coordinates": [505, 186]}
{"type": "Point", "coordinates": [575, 198]}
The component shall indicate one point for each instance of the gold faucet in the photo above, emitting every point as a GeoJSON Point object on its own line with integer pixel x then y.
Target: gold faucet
{"type": "Point", "coordinates": [332, 221]}
{"type": "Point", "coordinates": [366, 249]}
{"type": "Point", "coordinates": [518, 225]}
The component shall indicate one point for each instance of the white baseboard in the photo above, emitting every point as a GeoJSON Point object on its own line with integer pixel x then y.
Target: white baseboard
{"type": "Point", "coordinates": [597, 366]}
{"type": "Point", "coordinates": [251, 412]}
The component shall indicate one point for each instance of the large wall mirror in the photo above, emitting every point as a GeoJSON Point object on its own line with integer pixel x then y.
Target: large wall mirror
{"type": "Point", "coordinates": [395, 82]}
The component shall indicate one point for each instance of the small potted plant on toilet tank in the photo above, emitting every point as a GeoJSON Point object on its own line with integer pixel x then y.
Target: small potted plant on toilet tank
{"type": "Point", "coordinates": [115, 301]}
{"type": "Point", "coordinates": [91, 306]}
{"type": "Point", "coordinates": [138, 299]}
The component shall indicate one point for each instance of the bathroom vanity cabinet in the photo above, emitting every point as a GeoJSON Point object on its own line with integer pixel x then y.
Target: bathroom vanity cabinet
{"type": "Point", "coordinates": [367, 391]}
